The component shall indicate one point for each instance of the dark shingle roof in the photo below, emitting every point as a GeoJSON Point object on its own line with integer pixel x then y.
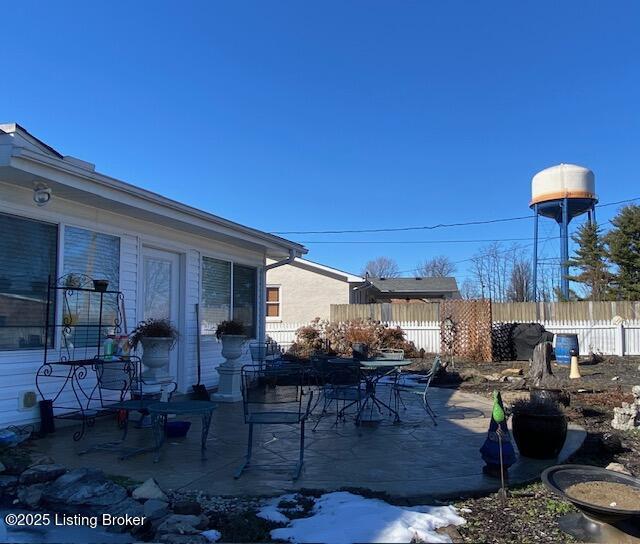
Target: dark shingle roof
{"type": "Point", "coordinates": [415, 285]}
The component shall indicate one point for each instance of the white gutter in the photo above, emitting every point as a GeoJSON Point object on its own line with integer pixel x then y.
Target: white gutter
{"type": "Point", "coordinates": [292, 256]}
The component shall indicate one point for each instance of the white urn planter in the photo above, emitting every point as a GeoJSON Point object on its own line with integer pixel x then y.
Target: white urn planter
{"type": "Point", "coordinates": [229, 386]}
{"type": "Point", "coordinates": [155, 358]}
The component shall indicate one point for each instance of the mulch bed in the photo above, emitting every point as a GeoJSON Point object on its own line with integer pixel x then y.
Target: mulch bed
{"type": "Point", "coordinates": [531, 512]}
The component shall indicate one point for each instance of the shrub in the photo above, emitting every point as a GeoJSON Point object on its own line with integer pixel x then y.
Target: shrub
{"type": "Point", "coordinates": [230, 327]}
{"type": "Point", "coordinates": [335, 338]}
{"type": "Point", "coordinates": [153, 328]}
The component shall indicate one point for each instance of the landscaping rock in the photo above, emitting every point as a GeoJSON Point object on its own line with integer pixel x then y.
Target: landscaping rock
{"type": "Point", "coordinates": [492, 377]}
{"type": "Point", "coordinates": [67, 484]}
{"type": "Point", "coordinates": [617, 467]}
{"type": "Point", "coordinates": [627, 417]}
{"type": "Point", "coordinates": [41, 474]}
{"type": "Point", "coordinates": [15, 461]}
{"type": "Point", "coordinates": [7, 483]}
{"type": "Point", "coordinates": [155, 509]}
{"type": "Point", "coordinates": [149, 490]}
{"type": "Point", "coordinates": [212, 535]}
{"type": "Point", "coordinates": [181, 525]}
{"type": "Point", "coordinates": [31, 496]}
{"type": "Point", "coordinates": [187, 507]}
{"type": "Point", "coordinates": [512, 372]}
{"type": "Point", "coordinates": [127, 506]}
{"type": "Point", "coordinates": [183, 539]}
{"type": "Point", "coordinates": [98, 494]}
{"type": "Point", "coordinates": [84, 487]}
{"type": "Point", "coordinates": [41, 459]}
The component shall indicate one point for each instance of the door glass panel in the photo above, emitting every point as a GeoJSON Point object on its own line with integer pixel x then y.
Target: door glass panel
{"type": "Point", "coordinates": [157, 288]}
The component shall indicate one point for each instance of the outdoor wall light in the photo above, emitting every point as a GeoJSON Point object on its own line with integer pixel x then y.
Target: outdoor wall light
{"type": "Point", "coordinates": [41, 194]}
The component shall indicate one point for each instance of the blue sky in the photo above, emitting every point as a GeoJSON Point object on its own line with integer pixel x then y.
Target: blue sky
{"type": "Point", "coordinates": [336, 115]}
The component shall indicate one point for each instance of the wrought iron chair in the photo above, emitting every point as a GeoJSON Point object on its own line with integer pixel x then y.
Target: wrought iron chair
{"type": "Point", "coordinates": [264, 354]}
{"type": "Point", "coordinates": [274, 396]}
{"type": "Point", "coordinates": [342, 386]}
{"type": "Point", "coordinates": [400, 386]}
{"type": "Point", "coordinates": [121, 390]}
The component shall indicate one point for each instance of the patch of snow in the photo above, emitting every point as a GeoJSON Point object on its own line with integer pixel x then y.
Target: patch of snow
{"type": "Point", "coordinates": [271, 512]}
{"type": "Point", "coordinates": [212, 535]}
{"type": "Point", "coordinates": [345, 518]}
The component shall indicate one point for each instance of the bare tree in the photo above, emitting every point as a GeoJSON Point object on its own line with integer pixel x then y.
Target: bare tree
{"type": "Point", "coordinates": [436, 267]}
{"type": "Point", "coordinates": [469, 290]}
{"type": "Point", "coordinates": [381, 267]}
{"type": "Point", "coordinates": [491, 270]}
{"type": "Point", "coordinates": [520, 281]}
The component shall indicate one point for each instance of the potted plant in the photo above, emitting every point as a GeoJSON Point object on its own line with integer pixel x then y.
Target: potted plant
{"type": "Point", "coordinates": [539, 427]}
{"type": "Point", "coordinates": [232, 334]}
{"type": "Point", "coordinates": [158, 337]}
{"type": "Point", "coordinates": [73, 281]}
{"type": "Point", "coordinates": [101, 285]}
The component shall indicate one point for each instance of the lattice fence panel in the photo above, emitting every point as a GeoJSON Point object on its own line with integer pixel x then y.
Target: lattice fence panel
{"type": "Point", "coordinates": [465, 329]}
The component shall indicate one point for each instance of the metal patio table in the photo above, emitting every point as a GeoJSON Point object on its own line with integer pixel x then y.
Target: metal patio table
{"type": "Point", "coordinates": [373, 371]}
{"type": "Point", "coordinates": [160, 410]}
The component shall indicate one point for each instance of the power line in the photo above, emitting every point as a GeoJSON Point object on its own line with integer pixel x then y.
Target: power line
{"type": "Point", "coordinates": [433, 227]}
{"type": "Point", "coordinates": [502, 252]}
{"type": "Point", "coordinates": [415, 241]}
{"type": "Point", "coordinates": [398, 229]}
{"type": "Point", "coordinates": [616, 203]}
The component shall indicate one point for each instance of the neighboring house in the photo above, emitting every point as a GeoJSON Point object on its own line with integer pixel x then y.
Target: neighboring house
{"type": "Point", "coordinates": [164, 256]}
{"type": "Point", "coordinates": [406, 290]}
{"type": "Point", "coordinates": [303, 290]}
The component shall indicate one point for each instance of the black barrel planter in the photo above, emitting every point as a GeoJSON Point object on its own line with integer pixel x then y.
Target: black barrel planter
{"type": "Point", "coordinates": [539, 429]}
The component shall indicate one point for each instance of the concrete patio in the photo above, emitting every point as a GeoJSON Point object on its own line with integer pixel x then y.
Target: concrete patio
{"type": "Point", "coordinates": [413, 459]}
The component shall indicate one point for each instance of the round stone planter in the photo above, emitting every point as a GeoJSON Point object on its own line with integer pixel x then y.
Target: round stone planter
{"type": "Point", "coordinates": [155, 357]}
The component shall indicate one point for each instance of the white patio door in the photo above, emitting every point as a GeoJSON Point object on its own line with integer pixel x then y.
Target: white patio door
{"type": "Point", "coordinates": [161, 292]}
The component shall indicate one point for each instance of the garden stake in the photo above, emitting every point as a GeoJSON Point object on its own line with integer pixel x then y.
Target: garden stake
{"type": "Point", "coordinates": [503, 492]}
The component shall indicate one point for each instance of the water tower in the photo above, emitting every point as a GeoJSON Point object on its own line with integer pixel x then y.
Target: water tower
{"type": "Point", "coordinates": [561, 193]}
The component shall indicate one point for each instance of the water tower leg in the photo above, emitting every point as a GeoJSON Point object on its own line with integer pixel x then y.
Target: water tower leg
{"type": "Point", "coordinates": [535, 253]}
{"type": "Point", "coordinates": [564, 250]}
{"type": "Point", "coordinates": [593, 214]}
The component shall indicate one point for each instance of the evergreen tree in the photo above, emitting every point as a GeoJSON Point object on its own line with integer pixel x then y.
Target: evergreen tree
{"type": "Point", "coordinates": [623, 242]}
{"type": "Point", "coordinates": [590, 259]}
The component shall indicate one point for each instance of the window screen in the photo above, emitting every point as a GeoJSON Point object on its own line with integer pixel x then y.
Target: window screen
{"type": "Point", "coordinates": [216, 294]}
{"type": "Point", "coordinates": [96, 255]}
{"type": "Point", "coordinates": [27, 259]}
{"type": "Point", "coordinates": [245, 290]}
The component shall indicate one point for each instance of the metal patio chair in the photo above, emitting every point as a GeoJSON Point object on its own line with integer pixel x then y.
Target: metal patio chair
{"type": "Point", "coordinates": [121, 390]}
{"type": "Point", "coordinates": [342, 386]}
{"type": "Point", "coordinates": [400, 386]}
{"type": "Point", "coordinates": [274, 396]}
{"type": "Point", "coordinates": [264, 354]}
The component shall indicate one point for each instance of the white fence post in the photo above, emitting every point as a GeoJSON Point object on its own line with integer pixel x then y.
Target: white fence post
{"type": "Point", "coordinates": [619, 342]}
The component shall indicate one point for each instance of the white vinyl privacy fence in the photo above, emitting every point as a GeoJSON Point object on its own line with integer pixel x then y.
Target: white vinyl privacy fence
{"type": "Point", "coordinates": [597, 336]}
